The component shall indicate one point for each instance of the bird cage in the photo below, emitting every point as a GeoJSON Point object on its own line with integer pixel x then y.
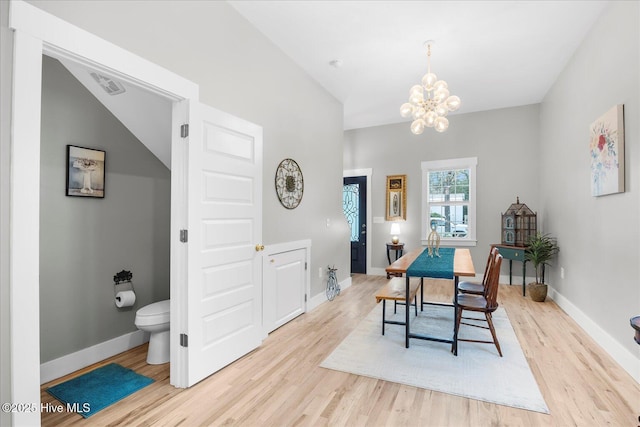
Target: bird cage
{"type": "Point", "coordinates": [518, 224]}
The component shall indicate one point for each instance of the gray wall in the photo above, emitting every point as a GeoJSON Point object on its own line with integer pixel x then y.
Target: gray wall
{"type": "Point", "coordinates": [505, 143]}
{"type": "Point", "coordinates": [598, 236]}
{"type": "Point", "coordinates": [241, 72]}
{"type": "Point", "coordinates": [84, 242]}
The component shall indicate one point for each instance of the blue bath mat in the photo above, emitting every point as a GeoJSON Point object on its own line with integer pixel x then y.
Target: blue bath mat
{"type": "Point", "coordinates": [95, 390]}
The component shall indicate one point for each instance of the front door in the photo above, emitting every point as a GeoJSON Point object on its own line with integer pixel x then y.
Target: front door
{"type": "Point", "coordinates": [354, 202]}
{"type": "Point", "coordinates": [224, 292]}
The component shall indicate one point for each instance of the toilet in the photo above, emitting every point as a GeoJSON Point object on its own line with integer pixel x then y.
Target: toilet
{"type": "Point", "coordinates": [154, 318]}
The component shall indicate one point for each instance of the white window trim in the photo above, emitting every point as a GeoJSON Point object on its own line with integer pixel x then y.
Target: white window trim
{"type": "Point", "coordinates": [463, 163]}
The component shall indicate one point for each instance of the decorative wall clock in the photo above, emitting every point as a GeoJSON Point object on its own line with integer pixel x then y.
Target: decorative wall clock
{"type": "Point", "coordinates": [289, 183]}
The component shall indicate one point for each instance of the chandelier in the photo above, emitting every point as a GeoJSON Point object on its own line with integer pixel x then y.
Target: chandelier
{"type": "Point", "coordinates": [430, 102]}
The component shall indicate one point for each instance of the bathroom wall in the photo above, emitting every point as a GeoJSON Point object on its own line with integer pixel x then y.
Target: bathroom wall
{"type": "Point", "coordinates": [84, 242]}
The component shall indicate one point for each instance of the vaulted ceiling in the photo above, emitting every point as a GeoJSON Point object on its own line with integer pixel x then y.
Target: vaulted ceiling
{"type": "Point", "coordinates": [493, 54]}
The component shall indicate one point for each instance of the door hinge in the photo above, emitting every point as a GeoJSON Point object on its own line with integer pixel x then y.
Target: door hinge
{"type": "Point", "coordinates": [305, 265]}
{"type": "Point", "coordinates": [305, 297]}
{"type": "Point", "coordinates": [184, 340]}
{"type": "Point", "coordinates": [184, 130]}
{"type": "Point", "coordinates": [184, 236]}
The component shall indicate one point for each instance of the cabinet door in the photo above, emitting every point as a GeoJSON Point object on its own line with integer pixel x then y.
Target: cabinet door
{"type": "Point", "coordinates": [284, 288]}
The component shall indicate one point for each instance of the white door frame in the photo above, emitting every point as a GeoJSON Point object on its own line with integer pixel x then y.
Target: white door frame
{"type": "Point", "coordinates": [36, 33]}
{"type": "Point", "coordinates": [364, 172]}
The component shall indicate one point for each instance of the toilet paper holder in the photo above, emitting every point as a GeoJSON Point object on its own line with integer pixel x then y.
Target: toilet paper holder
{"type": "Point", "coordinates": [122, 279]}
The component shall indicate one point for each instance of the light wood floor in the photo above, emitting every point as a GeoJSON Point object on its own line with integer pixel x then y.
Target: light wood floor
{"type": "Point", "coordinates": [280, 384]}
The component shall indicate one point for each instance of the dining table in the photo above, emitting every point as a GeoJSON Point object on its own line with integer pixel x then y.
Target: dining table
{"type": "Point", "coordinates": [420, 263]}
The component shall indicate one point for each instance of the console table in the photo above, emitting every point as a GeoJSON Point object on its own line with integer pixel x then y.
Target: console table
{"type": "Point", "coordinates": [399, 248]}
{"type": "Point", "coordinates": [514, 253]}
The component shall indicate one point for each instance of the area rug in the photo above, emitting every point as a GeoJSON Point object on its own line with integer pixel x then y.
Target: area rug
{"type": "Point", "coordinates": [95, 390]}
{"type": "Point", "coordinates": [478, 372]}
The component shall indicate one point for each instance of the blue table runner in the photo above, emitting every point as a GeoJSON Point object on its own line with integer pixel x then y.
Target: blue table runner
{"type": "Point", "coordinates": [437, 267]}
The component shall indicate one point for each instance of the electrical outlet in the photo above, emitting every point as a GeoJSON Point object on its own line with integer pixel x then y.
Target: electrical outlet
{"type": "Point", "coordinates": [562, 272]}
{"type": "Point", "coordinates": [320, 272]}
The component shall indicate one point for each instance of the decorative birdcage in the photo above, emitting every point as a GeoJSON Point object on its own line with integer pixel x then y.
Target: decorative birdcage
{"type": "Point", "coordinates": [518, 223]}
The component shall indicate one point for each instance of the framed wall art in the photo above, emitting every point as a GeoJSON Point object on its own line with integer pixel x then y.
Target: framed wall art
{"type": "Point", "coordinates": [85, 172]}
{"type": "Point", "coordinates": [396, 198]}
{"type": "Point", "coordinates": [289, 183]}
{"type": "Point", "coordinates": [607, 152]}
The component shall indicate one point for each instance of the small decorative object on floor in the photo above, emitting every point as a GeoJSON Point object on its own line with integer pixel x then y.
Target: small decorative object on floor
{"type": "Point", "coordinates": [433, 241]}
{"type": "Point", "coordinates": [333, 288]}
{"type": "Point", "coordinates": [540, 249]}
{"type": "Point", "coordinates": [635, 324]}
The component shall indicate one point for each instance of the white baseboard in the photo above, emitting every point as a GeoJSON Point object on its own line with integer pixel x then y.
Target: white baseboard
{"type": "Point", "coordinates": [321, 298]}
{"type": "Point", "coordinates": [619, 353]}
{"type": "Point", "coordinates": [80, 359]}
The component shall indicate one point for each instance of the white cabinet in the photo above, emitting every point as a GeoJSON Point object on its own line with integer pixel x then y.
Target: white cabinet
{"type": "Point", "coordinates": [286, 283]}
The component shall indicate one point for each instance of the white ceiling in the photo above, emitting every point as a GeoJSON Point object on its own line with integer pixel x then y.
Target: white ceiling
{"type": "Point", "coordinates": [493, 54]}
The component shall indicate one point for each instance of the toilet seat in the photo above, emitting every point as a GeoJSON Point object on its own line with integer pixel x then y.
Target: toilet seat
{"type": "Point", "coordinates": [153, 314]}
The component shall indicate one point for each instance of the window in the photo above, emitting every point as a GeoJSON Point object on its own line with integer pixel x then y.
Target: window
{"type": "Point", "coordinates": [449, 200]}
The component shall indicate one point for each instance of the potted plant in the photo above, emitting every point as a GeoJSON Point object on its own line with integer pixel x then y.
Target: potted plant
{"type": "Point", "coordinates": [540, 249]}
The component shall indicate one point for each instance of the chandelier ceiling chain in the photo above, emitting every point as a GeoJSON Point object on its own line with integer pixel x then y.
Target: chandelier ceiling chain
{"type": "Point", "coordinates": [430, 102]}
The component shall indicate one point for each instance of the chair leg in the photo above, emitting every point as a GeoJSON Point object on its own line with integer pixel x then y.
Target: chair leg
{"type": "Point", "coordinates": [415, 304]}
{"type": "Point", "coordinates": [493, 333]}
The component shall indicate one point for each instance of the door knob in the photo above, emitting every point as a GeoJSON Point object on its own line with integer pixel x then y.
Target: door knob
{"type": "Point", "coordinates": [259, 248]}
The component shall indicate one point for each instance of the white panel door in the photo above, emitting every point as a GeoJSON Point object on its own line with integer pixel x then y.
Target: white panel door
{"type": "Point", "coordinates": [224, 293]}
{"type": "Point", "coordinates": [284, 288]}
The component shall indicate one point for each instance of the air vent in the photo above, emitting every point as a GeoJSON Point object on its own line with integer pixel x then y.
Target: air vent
{"type": "Point", "coordinates": [109, 85]}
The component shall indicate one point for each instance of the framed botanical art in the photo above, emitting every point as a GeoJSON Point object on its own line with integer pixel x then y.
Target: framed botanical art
{"type": "Point", "coordinates": [607, 152]}
{"type": "Point", "coordinates": [396, 198]}
{"type": "Point", "coordinates": [85, 172]}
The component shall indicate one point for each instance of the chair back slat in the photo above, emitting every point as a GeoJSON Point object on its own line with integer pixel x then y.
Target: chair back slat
{"type": "Point", "coordinates": [492, 255]}
{"type": "Point", "coordinates": [491, 289]}
{"type": "Point", "coordinates": [491, 265]}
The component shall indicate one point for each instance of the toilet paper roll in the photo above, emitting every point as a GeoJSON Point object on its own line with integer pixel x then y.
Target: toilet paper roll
{"type": "Point", "coordinates": [125, 299]}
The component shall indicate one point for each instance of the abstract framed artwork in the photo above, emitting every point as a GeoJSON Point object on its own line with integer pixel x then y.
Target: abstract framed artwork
{"type": "Point", "coordinates": [606, 148]}
{"type": "Point", "coordinates": [85, 172]}
{"type": "Point", "coordinates": [396, 198]}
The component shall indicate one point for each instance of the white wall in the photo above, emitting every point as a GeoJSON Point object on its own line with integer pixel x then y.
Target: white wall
{"type": "Point", "coordinates": [598, 236]}
{"type": "Point", "coordinates": [541, 153]}
{"type": "Point", "coordinates": [6, 57]}
{"type": "Point", "coordinates": [504, 141]}
{"type": "Point", "coordinates": [241, 72]}
{"type": "Point", "coordinates": [238, 71]}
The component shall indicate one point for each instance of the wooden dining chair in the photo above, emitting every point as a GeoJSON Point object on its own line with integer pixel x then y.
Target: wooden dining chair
{"type": "Point", "coordinates": [476, 288]}
{"type": "Point", "coordinates": [487, 304]}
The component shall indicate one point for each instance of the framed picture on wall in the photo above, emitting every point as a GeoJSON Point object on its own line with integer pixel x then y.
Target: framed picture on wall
{"type": "Point", "coordinates": [396, 198]}
{"type": "Point", "coordinates": [85, 172]}
{"type": "Point", "coordinates": [606, 147]}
